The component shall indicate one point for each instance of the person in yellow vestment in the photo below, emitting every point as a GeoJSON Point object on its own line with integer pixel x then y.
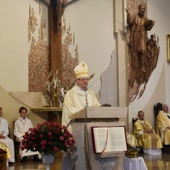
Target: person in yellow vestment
{"type": "Point", "coordinates": [146, 136]}
{"type": "Point", "coordinates": [163, 125]}
{"type": "Point", "coordinates": [131, 140]}
{"type": "Point", "coordinates": [5, 148]}
{"type": "Point", "coordinates": [79, 96]}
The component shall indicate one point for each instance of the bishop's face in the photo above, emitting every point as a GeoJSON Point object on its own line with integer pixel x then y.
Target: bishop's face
{"type": "Point", "coordinates": [83, 83]}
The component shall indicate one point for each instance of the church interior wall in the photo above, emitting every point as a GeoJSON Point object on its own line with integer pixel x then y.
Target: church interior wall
{"type": "Point", "coordinates": [159, 89]}
{"type": "Point", "coordinates": [92, 23]}
{"type": "Point", "coordinates": [14, 50]}
{"type": "Point", "coordinates": [93, 26]}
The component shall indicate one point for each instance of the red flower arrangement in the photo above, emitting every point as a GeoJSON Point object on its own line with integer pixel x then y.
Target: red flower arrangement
{"type": "Point", "coordinates": [48, 138]}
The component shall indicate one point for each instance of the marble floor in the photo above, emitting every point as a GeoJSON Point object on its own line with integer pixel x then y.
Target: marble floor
{"type": "Point", "coordinates": [30, 165]}
{"type": "Point", "coordinates": [161, 162]}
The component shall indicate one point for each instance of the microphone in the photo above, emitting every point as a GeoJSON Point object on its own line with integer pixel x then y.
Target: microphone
{"type": "Point", "coordinates": [86, 97]}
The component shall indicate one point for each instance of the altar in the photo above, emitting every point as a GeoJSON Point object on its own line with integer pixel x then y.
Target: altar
{"type": "Point", "coordinates": [134, 163]}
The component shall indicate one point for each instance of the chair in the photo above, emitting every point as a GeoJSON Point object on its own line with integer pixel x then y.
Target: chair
{"type": "Point", "coordinates": [157, 107]}
{"type": "Point", "coordinates": [17, 146]}
{"type": "Point", "coordinates": [133, 123]}
{"type": "Point", "coordinates": [3, 159]}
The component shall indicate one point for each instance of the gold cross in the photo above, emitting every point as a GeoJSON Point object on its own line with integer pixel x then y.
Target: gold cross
{"type": "Point", "coordinates": [83, 65]}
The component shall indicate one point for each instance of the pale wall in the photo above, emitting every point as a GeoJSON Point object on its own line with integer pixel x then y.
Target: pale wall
{"type": "Point", "coordinates": [14, 49]}
{"type": "Point", "coordinates": [92, 23]}
{"type": "Point", "coordinates": [14, 45]}
{"type": "Point", "coordinates": [159, 80]}
{"type": "Point", "coordinates": [11, 107]}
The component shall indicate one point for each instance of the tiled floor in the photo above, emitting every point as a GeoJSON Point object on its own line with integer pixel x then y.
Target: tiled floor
{"type": "Point", "coordinates": [161, 162]}
{"type": "Point", "coordinates": [30, 165]}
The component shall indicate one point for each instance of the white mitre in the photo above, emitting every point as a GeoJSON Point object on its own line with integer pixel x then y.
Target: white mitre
{"type": "Point", "coordinates": [81, 70]}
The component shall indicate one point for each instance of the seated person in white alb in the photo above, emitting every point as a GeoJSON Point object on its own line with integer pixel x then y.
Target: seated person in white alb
{"type": "Point", "coordinates": [163, 125]}
{"type": "Point", "coordinates": [22, 125]}
{"type": "Point", "coordinates": [146, 136]}
{"type": "Point", "coordinates": [4, 132]}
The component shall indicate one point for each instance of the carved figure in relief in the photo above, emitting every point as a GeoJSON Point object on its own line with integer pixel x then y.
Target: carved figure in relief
{"type": "Point", "coordinates": [139, 25]}
{"type": "Point", "coordinates": [58, 7]}
{"type": "Point", "coordinates": [142, 53]}
{"type": "Point", "coordinates": [153, 50]}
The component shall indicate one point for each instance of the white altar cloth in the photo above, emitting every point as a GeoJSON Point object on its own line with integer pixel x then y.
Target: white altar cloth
{"type": "Point", "coordinates": [28, 153]}
{"type": "Point", "coordinates": [134, 164]}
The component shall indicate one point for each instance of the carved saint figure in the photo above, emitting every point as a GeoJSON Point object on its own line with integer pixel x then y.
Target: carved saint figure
{"type": "Point", "coordinates": [142, 52]}
{"type": "Point", "coordinates": [139, 25]}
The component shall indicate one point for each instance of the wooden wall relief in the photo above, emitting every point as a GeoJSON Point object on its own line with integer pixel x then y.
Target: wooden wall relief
{"type": "Point", "coordinates": [64, 78]}
{"type": "Point", "coordinates": [38, 58]}
{"type": "Point", "coordinates": [143, 51]}
{"type": "Point", "coordinates": [32, 23]}
{"type": "Point", "coordinates": [70, 59]}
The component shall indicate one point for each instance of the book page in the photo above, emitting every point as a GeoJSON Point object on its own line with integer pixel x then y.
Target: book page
{"type": "Point", "coordinates": [117, 139]}
{"type": "Point", "coordinates": [100, 137]}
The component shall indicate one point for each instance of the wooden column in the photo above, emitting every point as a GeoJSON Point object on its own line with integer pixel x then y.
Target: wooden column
{"type": "Point", "coordinates": [55, 44]}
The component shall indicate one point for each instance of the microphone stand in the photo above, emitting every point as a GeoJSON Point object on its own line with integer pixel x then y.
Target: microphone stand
{"type": "Point", "coordinates": [86, 141]}
{"type": "Point", "coordinates": [86, 107]}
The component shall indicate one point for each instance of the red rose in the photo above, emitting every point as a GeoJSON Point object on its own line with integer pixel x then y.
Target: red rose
{"type": "Point", "coordinates": [49, 143]}
{"type": "Point", "coordinates": [61, 138]}
{"type": "Point", "coordinates": [55, 149]}
{"type": "Point", "coordinates": [41, 136]}
{"type": "Point", "coordinates": [34, 145]}
{"type": "Point", "coordinates": [22, 148]}
{"type": "Point", "coordinates": [49, 134]}
{"type": "Point", "coordinates": [43, 142]}
{"type": "Point", "coordinates": [42, 146]}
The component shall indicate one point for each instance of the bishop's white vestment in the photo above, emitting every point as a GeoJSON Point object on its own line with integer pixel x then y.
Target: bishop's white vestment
{"type": "Point", "coordinates": [74, 101]}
